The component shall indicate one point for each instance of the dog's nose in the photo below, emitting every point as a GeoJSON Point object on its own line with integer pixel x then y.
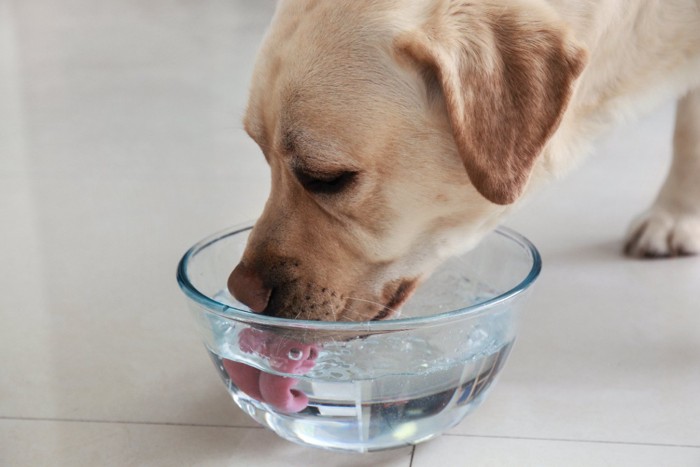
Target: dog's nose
{"type": "Point", "coordinates": [248, 287]}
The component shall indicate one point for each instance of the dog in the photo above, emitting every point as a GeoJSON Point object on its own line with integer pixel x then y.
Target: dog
{"type": "Point", "coordinates": [400, 132]}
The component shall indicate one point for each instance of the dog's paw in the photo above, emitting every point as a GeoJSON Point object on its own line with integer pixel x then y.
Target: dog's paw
{"type": "Point", "coordinates": [659, 233]}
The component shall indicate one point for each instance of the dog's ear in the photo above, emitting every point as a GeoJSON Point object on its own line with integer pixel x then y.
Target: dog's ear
{"type": "Point", "coordinates": [505, 76]}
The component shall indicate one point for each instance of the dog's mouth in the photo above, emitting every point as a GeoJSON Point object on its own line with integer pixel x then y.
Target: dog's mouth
{"type": "Point", "coordinates": [326, 304]}
{"type": "Point", "coordinates": [300, 298]}
{"type": "Point", "coordinates": [398, 295]}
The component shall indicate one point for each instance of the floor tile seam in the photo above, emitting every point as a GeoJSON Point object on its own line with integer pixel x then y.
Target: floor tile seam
{"type": "Point", "coordinates": [122, 422]}
{"type": "Point", "coordinates": [575, 440]}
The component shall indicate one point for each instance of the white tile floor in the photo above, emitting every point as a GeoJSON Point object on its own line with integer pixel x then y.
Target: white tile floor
{"type": "Point", "coordinates": [120, 145]}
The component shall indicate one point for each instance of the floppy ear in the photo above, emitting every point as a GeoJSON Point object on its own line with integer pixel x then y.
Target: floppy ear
{"type": "Point", "coordinates": [505, 76]}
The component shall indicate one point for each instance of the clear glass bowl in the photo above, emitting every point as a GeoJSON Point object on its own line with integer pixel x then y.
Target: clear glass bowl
{"type": "Point", "coordinates": [365, 386]}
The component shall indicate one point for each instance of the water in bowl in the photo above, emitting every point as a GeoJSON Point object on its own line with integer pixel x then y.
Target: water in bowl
{"type": "Point", "coordinates": [351, 413]}
{"type": "Point", "coordinates": [383, 391]}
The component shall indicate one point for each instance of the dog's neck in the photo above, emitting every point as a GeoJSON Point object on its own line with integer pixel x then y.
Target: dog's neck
{"type": "Point", "coordinates": [640, 55]}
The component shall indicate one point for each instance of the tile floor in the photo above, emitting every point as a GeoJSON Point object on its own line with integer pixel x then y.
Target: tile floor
{"type": "Point", "coordinates": [120, 145]}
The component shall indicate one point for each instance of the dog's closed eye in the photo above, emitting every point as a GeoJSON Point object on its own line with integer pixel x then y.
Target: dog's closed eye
{"type": "Point", "coordinates": [325, 183]}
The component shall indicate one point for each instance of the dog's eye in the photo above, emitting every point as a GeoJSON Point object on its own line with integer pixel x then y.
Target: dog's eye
{"type": "Point", "coordinates": [326, 185]}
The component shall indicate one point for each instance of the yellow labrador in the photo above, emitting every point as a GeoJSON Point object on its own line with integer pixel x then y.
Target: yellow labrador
{"type": "Point", "coordinates": [399, 132]}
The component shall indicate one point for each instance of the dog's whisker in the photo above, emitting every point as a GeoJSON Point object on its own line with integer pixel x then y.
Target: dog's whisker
{"type": "Point", "coordinates": [370, 301]}
{"type": "Point", "coordinates": [384, 310]}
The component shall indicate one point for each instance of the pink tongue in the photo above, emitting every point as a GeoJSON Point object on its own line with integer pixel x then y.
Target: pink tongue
{"type": "Point", "coordinates": [245, 377]}
{"type": "Point", "coordinates": [266, 387]}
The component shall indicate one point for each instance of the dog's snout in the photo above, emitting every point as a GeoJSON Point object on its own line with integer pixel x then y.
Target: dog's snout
{"type": "Point", "coordinates": [246, 285]}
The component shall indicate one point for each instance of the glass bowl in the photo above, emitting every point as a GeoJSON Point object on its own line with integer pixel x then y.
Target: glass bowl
{"type": "Point", "coordinates": [365, 386]}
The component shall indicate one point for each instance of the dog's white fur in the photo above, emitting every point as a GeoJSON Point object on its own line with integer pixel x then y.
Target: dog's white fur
{"type": "Point", "coordinates": [349, 81]}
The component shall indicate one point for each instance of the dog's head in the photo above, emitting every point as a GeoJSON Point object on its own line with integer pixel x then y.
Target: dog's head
{"type": "Point", "coordinates": [397, 133]}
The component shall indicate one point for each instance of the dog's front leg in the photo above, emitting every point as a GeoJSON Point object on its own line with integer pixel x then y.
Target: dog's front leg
{"type": "Point", "coordinates": [671, 227]}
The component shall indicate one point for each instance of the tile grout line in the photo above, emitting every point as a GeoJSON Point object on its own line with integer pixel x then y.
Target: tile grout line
{"type": "Point", "coordinates": [413, 451]}
{"type": "Point", "coordinates": [572, 440]}
{"type": "Point", "coordinates": [125, 422]}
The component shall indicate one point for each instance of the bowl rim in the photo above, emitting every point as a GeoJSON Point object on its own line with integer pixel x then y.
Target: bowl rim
{"type": "Point", "coordinates": [232, 313]}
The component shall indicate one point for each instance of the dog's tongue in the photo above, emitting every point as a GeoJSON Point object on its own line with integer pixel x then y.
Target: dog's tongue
{"type": "Point", "coordinates": [283, 355]}
{"type": "Point", "coordinates": [265, 387]}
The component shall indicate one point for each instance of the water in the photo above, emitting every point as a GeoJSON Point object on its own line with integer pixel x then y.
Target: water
{"type": "Point", "coordinates": [376, 413]}
{"type": "Point", "coordinates": [374, 392]}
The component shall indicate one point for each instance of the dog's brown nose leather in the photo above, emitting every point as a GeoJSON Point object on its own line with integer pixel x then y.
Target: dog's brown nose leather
{"type": "Point", "coordinates": [248, 287]}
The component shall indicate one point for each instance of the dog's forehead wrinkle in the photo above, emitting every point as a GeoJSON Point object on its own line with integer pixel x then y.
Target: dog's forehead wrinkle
{"type": "Point", "coordinates": [307, 151]}
{"type": "Point", "coordinates": [315, 69]}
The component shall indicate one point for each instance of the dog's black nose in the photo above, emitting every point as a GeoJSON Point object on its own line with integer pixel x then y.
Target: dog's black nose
{"type": "Point", "coordinates": [248, 287]}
